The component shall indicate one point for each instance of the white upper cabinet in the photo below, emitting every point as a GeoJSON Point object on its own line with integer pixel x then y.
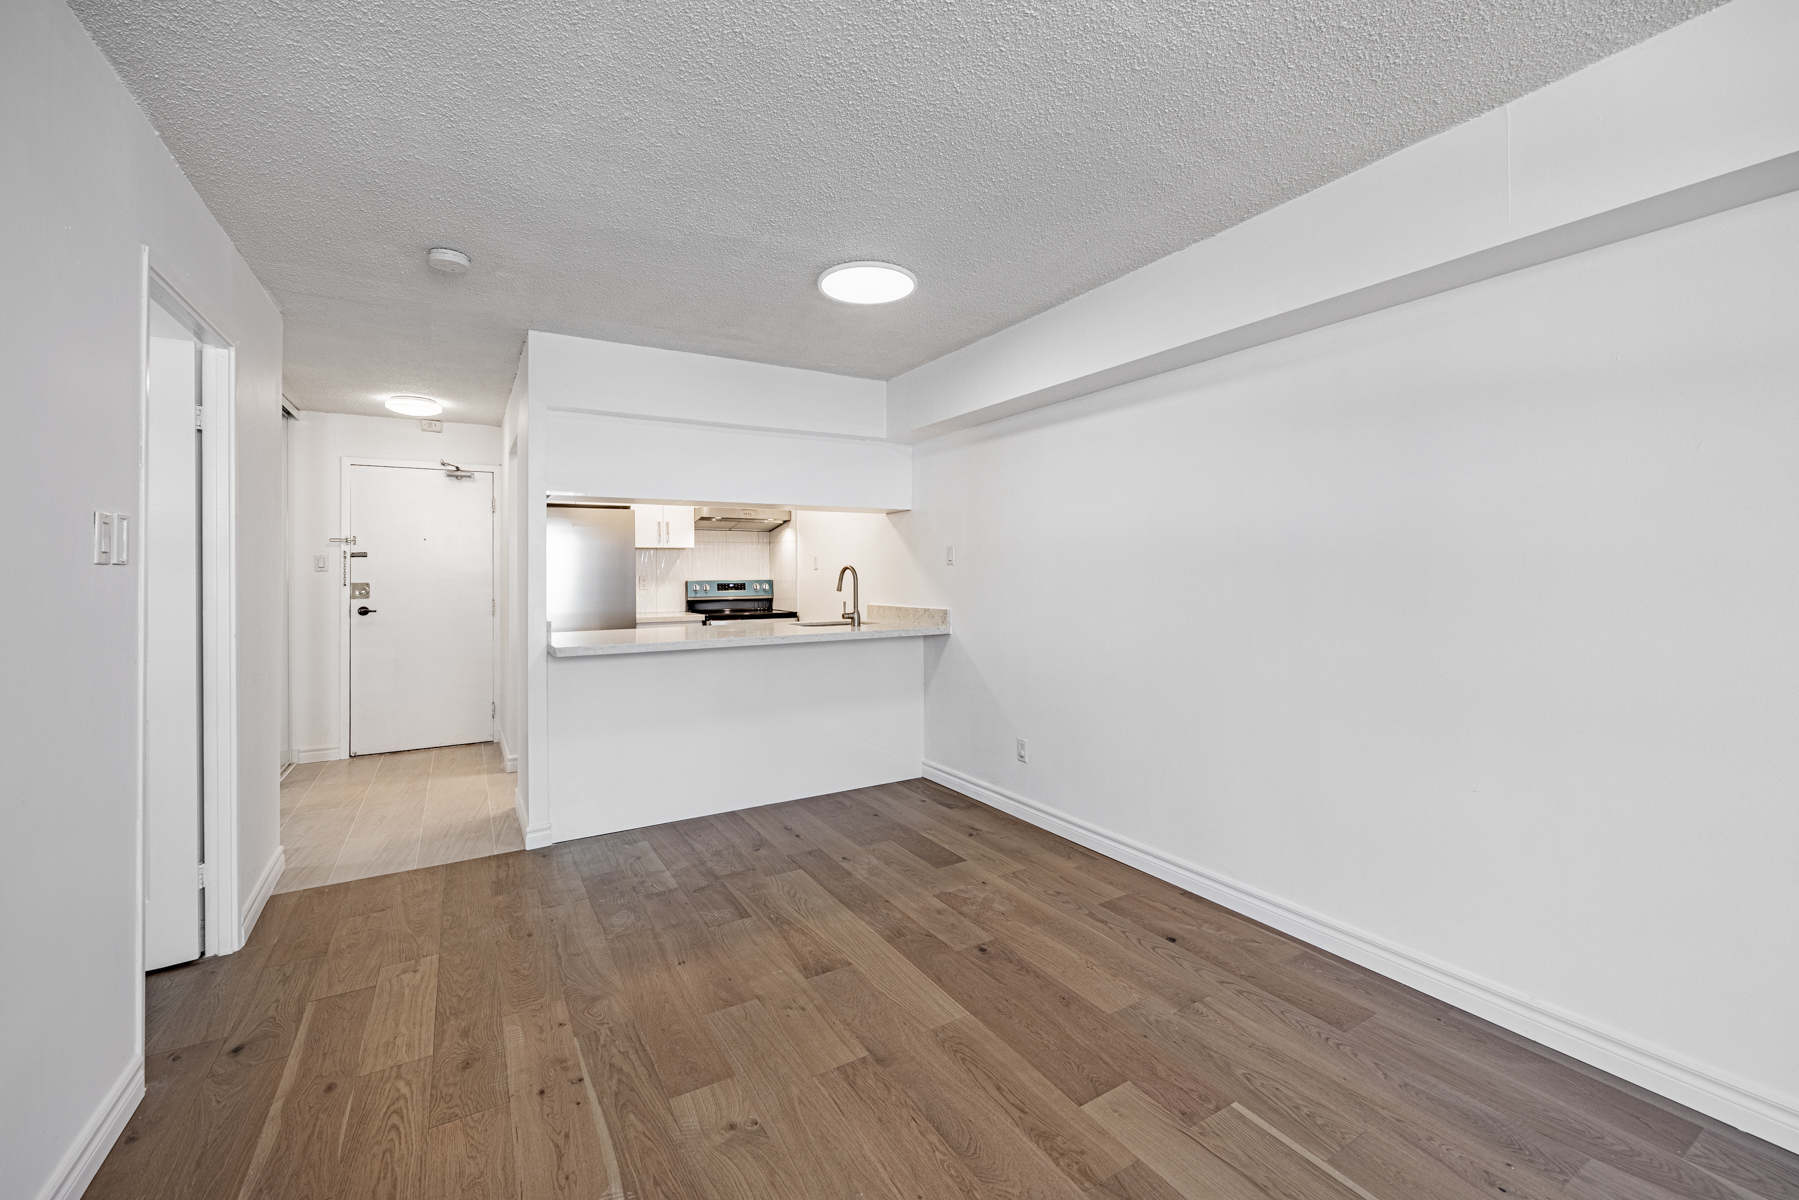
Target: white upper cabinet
{"type": "Point", "coordinates": [649, 525]}
{"type": "Point", "coordinates": [664, 526]}
{"type": "Point", "coordinates": [677, 521]}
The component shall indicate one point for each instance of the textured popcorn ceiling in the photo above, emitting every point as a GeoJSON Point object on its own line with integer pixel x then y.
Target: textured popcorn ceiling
{"type": "Point", "coordinates": [676, 172]}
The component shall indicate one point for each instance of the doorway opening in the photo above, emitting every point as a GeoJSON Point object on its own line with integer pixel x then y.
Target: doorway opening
{"type": "Point", "coordinates": [188, 752]}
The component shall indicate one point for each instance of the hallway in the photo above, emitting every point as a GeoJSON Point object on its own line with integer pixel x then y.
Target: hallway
{"type": "Point", "coordinates": [376, 814]}
{"type": "Point", "coordinates": [890, 993]}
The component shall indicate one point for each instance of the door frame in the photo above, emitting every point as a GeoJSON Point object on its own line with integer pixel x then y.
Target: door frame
{"type": "Point", "coordinates": [343, 581]}
{"type": "Point", "coordinates": [223, 931]}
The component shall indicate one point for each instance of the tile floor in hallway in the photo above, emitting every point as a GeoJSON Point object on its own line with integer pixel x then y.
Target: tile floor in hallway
{"type": "Point", "coordinates": [381, 813]}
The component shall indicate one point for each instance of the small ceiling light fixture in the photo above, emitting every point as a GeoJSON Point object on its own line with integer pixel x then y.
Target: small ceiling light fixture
{"type": "Point", "coordinates": [415, 406]}
{"type": "Point", "coordinates": [867, 283]}
{"type": "Point", "coordinates": [450, 262]}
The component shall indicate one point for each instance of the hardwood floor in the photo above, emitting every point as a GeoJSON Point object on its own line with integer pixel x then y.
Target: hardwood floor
{"type": "Point", "coordinates": [893, 994]}
{"type": "Point", "coordinates": [354, 818]}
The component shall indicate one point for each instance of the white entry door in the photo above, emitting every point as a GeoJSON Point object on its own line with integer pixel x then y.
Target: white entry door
{"type": "Point", "coordinates": [421, 640]}
{"type": "Point", "coordinates": [170, 549]}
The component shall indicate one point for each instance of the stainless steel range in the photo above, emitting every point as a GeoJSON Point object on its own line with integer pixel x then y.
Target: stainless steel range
{"type": "Point", "coordinates": [735, 600]}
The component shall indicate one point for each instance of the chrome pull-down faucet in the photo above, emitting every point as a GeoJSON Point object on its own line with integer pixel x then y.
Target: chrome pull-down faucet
{"type": "Point", "coordinates": [855, 613]}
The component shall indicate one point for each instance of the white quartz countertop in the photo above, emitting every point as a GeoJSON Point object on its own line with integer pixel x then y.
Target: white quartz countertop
{"type": "Point", "coordinates": [652, 638]}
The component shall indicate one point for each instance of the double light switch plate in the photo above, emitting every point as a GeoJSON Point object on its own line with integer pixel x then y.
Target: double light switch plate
{"type": "Point", "coordinates": [112, 539]}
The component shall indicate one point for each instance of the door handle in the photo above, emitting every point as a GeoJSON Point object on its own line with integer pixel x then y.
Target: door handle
{"type": "Point", "coordinates": [364, 611]}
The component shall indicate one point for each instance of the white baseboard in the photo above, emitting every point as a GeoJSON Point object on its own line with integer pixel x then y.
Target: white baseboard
{"type": "Point", "coordinates": [1775, 1118]}
{"type": "Point", "coordinates": [536, 836]}
{"type": "Point", "coordinates": [78, 1166]}
{"type": "Point", "coordinates": [318, 754]}
{"type": "Point", "coordinates": [506, 754]}
{"type": "Point", "coordinates": [265, 887]}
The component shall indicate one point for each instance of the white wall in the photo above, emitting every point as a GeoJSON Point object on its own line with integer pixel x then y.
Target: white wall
{"type": "Point", "coordinates": [876, 544]}
{"type": "Point", "coordinates": [86, 187]}
{"type": "Point", "coordinates": [586, 375]}
{"type": "Point", "coordinates": [1714, 96]}
{"type": "Point", "coordinates": [599, 419]}
{"type": "Point", "coordinates": [680, 463]}
{"type": "Point", "coordinates": [318, 444]}
{"type": "Point", "coordinates": [1473, 653]}
{"type": "Point", "coordinates": [784, 566]}
{"type": "Point", "coordinates": [639, 739]}
{"type": "Point", "coordinates": [525, 728]}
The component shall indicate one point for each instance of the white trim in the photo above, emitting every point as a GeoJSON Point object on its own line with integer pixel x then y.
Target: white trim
{"type": "Point", "coordinates": [218, 603]}
{"type": "Point", "coordinates": [77, 1169]}
{"type": "Point", "coordinates": [344, 463]}
{"type": "Point", "coordinates": [1732, 1101]}
{"type": "Point", "coordinates": [218, 609]}
{"type": "Point", "coordinates": [319, 754]}
{"type": "Point", "coordinates": [506, 755]}
{"type": "Point", "coordinates": [265, 887]}
{"type": "Point", "coordinates": [536, 836]}
{"type": "Point", "coordinates": [139, 1000]}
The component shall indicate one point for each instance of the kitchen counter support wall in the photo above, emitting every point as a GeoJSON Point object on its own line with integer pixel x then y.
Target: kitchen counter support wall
{"type": "Point", "coordinates": [639, 739]}
{"type": "Point", "coordinates": [600, 419]}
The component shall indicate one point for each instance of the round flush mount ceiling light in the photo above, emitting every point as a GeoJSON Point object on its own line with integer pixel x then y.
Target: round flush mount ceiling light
{"type": "Point", "coordinates": [450, 262]}
{"type": "Point", "coordinates": [867, 283]}
{"type": "Point", "coordinates": [415, 406]}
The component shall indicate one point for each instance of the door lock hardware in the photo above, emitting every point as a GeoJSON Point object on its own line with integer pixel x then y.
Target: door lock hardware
{"type": "Point", "coordinates": [359, 591]}
{"type": "Point", "coordinates": [364, 610]}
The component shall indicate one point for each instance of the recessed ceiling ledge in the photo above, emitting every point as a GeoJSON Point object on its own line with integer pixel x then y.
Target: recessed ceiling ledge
{"type": "Point", "coordinates": [1765, 180]}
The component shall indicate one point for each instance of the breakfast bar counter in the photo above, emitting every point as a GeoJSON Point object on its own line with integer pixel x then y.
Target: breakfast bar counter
{"type": "Point", "coordinates": [886, 621]}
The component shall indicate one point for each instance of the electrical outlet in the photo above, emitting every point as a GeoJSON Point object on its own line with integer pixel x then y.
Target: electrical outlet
{"type": "Point", "coordinates": [1022, 751]}
{"type": "Point", "coordinates": [643, 583]}
{"type": "Point", "coordinates": [949, 556]}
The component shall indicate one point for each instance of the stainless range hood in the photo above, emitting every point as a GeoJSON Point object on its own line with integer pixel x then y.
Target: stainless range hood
{"type": "Point", "coordinates": [741, 520]}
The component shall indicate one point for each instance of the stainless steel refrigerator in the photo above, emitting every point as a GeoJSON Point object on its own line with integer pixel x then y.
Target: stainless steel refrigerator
{"type": "Point", "coordinates": [591, 566]}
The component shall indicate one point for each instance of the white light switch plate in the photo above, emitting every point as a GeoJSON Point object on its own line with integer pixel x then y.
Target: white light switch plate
{"type": "Point", "coordinates": [102, 538]}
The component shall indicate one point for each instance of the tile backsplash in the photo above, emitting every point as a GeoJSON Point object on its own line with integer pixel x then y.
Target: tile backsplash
{"type": "Point", "coordinates": [662, 575]}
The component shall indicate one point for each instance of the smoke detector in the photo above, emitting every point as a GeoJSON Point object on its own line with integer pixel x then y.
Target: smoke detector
{"type": "Point", "coordinates": [450, 262]}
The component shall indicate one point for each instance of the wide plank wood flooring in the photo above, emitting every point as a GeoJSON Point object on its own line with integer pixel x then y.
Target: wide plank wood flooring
{"type": "Point", "coordinates": [888, 994]}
